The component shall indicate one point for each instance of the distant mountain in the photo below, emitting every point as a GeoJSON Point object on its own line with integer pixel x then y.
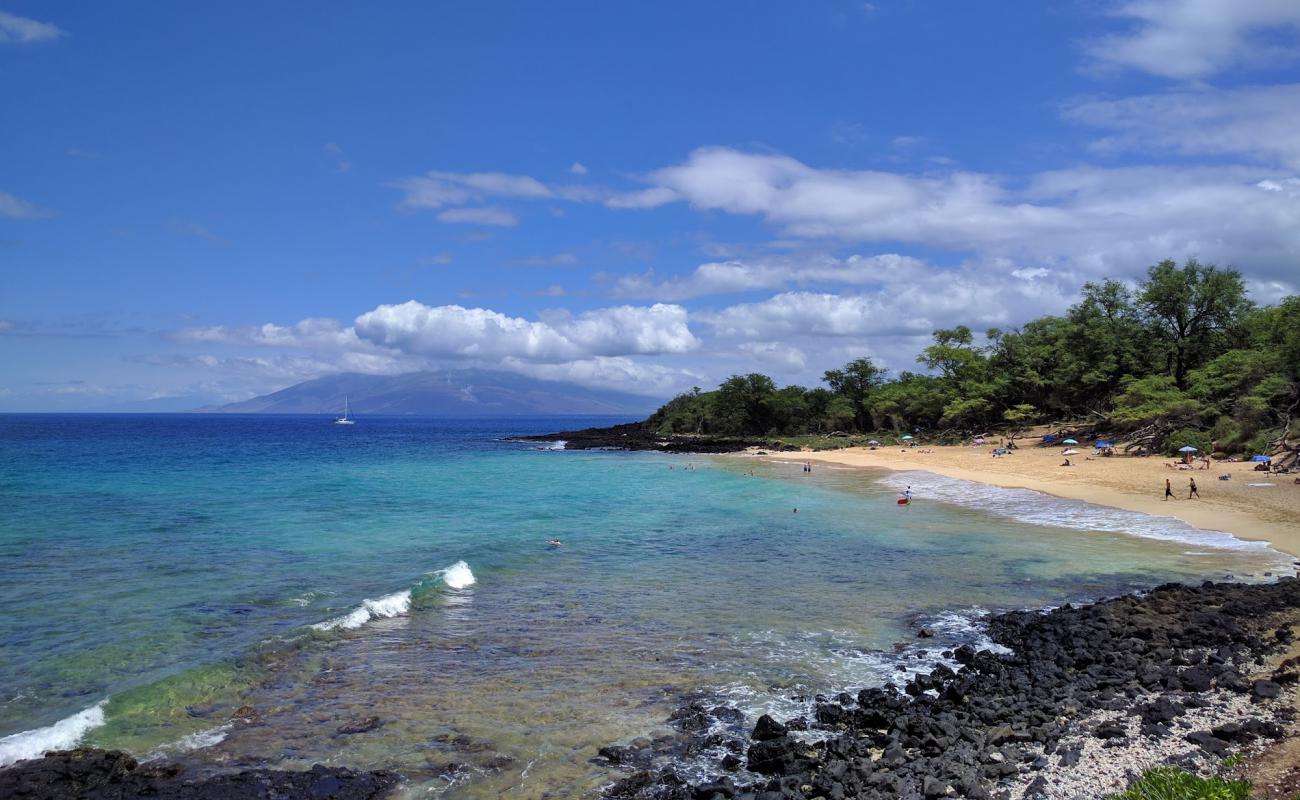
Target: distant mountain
{"type": "Point", "coordinates": [451, 393]}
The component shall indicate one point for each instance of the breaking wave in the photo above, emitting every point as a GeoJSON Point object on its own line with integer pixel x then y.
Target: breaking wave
{"type": "Point", "coordinates": [457, 576]}
{"type": "Point", "coordinates": [62, 735]}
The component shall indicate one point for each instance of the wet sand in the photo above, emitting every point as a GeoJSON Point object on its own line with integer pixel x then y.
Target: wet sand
{"type": "Point", "coordinates": [1259, 513]}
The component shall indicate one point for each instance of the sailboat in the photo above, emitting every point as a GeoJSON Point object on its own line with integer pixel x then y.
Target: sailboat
{"type": "Point", "coordinates": [343, 420]}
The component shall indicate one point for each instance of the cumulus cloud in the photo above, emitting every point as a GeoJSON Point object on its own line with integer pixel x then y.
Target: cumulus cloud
{"type": "Point", "coordinates": [1257, 122]}
{"type": "Point", "coordinates": [598, 348]}
{"type": "Point", "coordinates": [21, 30]}
{"type": "Point", "coordinates": [982, 295]}
{"type": "Point", "coordinates": [578, 168]}
{"type": "Point", "coordinates": [479, 333]}
{"type": "Point", "coordinates": [1185, 39]}
{"type": "Point", "coordinates": [15, 207]}
{"type": "Point", "coordinates": [1100, 220]}
{"type": "Point", "coordinates": [735, 276]}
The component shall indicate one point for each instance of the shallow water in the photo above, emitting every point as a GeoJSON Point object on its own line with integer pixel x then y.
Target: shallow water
{"type": "Point", "coordinates": [173, 568]}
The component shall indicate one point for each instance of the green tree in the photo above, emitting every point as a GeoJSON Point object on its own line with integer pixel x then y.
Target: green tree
{"type": "Point", "coordinates": [743, 405]}
{"type": "Point", "coordinates": [1192, 312]}
{"type": "Point", "coordinates": [855, 382]}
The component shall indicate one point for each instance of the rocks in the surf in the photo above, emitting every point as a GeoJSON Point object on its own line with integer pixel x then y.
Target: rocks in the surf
{"type": "Point", "coordinates": [1117, 673]}
{"type": "Point", "coordinates": [90, 774]}
{"type": "Point", "coordinates": [363, 725]}
{"type": "Point", "coordinates": [767, 728]}
{"type": "Point", "coordinates": [246, 715]}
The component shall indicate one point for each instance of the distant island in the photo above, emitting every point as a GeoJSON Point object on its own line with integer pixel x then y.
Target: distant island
{"type": "Point", "coordinates": [1184, 359]}
{"type": "Point", "coordinates": [450, 393]}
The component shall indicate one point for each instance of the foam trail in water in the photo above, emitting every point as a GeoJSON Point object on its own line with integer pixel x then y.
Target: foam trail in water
{"type": "Point", "coordinates": [559, 444]}
{"type": "Point", "coordinates": [62, 735]}
{"type": "Point", "coordinates": [390, 605]}
{"type": "Point", "coordinates": [457, 576]}
{"type": "Point", "coordinates": [1026, 505]}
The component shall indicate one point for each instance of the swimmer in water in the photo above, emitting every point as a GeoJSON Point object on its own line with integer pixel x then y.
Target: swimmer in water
{"type": "Point", "coordinates": [554, 542]}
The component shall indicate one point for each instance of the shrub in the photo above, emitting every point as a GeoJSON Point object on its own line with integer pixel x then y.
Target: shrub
{"type": "Point", "coordinates": [1172, 783]}
{"type": "Point", "coordinates": [1188, 436]}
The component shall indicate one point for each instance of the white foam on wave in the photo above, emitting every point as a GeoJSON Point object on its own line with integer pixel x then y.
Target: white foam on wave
{"type": "Point", "coordinates": [62, 735]}
{"type": "Point", "coordinates": [457, 576]}
{"type": "Point", "coordinates": [390, 605]}
{"type": "Point", "coordinates": [559, 444]}
{"type": "Point", "coordinates": [1027, 505]}
{"type": "Point", "coordinates": [397, 604]}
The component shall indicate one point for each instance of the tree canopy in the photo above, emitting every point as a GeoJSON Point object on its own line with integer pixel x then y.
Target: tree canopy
{"type": "Point", "coordinates": [1185, 351]}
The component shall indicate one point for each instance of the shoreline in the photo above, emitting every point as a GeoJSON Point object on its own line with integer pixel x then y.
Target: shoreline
{"type": "Point", "coordinates": [1094, 482]}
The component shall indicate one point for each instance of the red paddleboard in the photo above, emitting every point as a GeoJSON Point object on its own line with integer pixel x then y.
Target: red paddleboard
{"type": "Point", "coordinates": [902, 501]}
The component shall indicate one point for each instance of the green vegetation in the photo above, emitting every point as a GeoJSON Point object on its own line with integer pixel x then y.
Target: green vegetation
{"type": "Point", "coordinates": [1183, 358]}
{"type": "Point", "coordinates": [1172, 783]}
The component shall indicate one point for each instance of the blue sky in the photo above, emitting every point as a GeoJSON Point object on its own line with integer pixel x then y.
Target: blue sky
{"type": "Point", "coordinates": [200, 202]}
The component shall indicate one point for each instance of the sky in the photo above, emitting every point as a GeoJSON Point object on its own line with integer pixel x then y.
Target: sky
{"type": "Point", "coordinates": [202, 202]}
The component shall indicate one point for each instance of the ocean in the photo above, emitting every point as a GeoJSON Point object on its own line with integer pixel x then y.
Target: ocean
{"type": "Point", "coordinates": [161, 574]}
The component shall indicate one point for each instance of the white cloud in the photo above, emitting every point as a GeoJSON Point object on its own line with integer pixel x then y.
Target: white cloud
{"type": "Point", "coordinates": [776, 353]}
{"type": "Point", "coordinates": [320, 333]}
{"type": "Point", "coordinates": [578, 168]}
{"type": "Point", "coordinates": [1257, 122]}
{"type": "Point", "coordinates": [15, 207]}
{"type": "Point", "coordinates": [479, 333]}
{"type": "Point", "coordinates": [979, 294]}
{"type": "Point", "coordinates": [21, 30]}
{"type": "Point", "coordinates": [614, 373]}
{"type": "Point", "coordinates": [729, 277]}
{"type": "Point", "coordinates": [1185, 39]}
{"type": "Point", "coordinates": [1101, 221]}
{"type": "Point", "coordinates": [479, 216]}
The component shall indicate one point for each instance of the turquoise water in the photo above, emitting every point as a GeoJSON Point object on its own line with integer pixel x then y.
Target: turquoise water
{"type": "Point", "coordinates": [159, 572]}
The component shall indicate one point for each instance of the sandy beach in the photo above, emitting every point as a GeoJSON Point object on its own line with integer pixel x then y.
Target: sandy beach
{"type": "Point", "coordinates": [1241, 506]}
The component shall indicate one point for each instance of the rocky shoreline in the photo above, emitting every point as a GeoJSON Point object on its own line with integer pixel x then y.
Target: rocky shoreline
{"type": "Point", "coordinates": [90, 774]}
{"type": "Point", "coordinates": [1065, 704]}
{"type": "Point", "coordinates": [1088, 698]}
{"type": "Point", "coordinates": [636, 436]}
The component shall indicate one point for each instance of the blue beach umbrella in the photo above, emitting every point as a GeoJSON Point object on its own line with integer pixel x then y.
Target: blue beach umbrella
{"type": "Point", "coordinates": [1102, 444]}
{"type": "Point", "coordinates": [1261, 458]}
{"type": "Point", "coordinates": [908, 436]}
{"type": "Point", "coordinates": [1069, 441]}
{"type": "Point", "coordinates": [1187, 449]}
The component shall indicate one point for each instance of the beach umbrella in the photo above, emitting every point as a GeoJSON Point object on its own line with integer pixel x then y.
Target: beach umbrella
{"type": "Point", "coordinates": [1068, 441]}
{"type": "Point", "coordinates": [908, 436]}
{"type": "Point", "coordinates": [1187, 449]}
{"type": "Point", "coordinates": [1261, 458]}
{"type": "Point", "coordinates": [873, 442]}
{"type": "Point", "coordinates": [1102, 444]}
{"type": "Point", "coordinates": [1070, 453]}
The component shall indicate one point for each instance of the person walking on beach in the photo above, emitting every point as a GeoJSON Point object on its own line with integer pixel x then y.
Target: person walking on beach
{"type": "Point", "coordinates": [1192, 492]}
{"type": "Point", "coordinates": [1169, 490]}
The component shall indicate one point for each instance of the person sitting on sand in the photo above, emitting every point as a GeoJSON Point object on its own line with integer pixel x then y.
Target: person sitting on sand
{"type": "Point", "coordinates": [1067, 463]}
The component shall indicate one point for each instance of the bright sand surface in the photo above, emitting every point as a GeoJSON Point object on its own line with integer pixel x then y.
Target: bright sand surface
{"type": "Point", "coordinates": [1267, 513]}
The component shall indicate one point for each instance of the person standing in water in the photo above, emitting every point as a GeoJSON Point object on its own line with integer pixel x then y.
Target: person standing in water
{"type": "Point", "coordinates": [1192, 491]}
{"type": "Point", "coordinates": [1169, 490]}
